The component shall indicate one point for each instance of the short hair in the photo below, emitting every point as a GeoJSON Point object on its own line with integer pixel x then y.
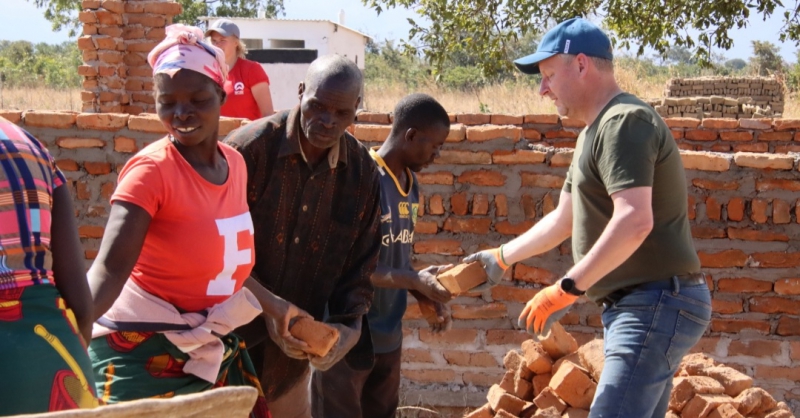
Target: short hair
{"type": "Point", "coordinates": [419, 111]}
{"type": "Point", "coordinates": [602, 64]}
{"type": "Point", "coordinates": [333, 67]}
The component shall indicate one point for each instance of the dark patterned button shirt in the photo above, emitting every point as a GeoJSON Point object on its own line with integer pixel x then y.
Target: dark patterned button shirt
{"type": "Point", "coordinates": [316, 231]}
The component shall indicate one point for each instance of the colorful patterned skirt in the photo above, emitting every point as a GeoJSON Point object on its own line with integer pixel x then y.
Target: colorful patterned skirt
{"type": "Point", "coordinates": [43, 363]}
{"type": "Point", "coordinates": [131, 365]}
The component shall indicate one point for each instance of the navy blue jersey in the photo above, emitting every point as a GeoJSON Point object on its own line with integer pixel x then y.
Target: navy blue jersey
{"type": "Point", "coordinates": [399, 205]}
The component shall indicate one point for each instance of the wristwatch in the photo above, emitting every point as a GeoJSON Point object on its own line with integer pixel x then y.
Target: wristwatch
{"type": "Point", "coordinates": [568, 285]}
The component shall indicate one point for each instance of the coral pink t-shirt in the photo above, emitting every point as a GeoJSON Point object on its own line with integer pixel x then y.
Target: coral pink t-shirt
{"type": "Point", "coordinates": [240, 102]}
{"type": "Point", "coordinates": [199, 247]}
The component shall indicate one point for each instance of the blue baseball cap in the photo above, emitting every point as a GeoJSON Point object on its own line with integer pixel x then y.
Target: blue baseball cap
{"type": "Point", "coordinates": [224, 27]}
{"type": "Point", "coordinates": [574, 36]}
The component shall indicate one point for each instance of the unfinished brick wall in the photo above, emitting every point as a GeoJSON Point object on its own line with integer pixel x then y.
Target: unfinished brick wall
{"type": "Point", "coordinates": [489, 186]}
{"type": "Point", "coordinates": [117, 36]}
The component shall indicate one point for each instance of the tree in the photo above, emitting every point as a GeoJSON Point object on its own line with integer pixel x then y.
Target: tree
{"type": "Point", "coordinates": [766, 58]}
{"type": "Point", "coordinates": [736, 64]}
{"type": "Point", "coordinates": [485, 28]}
{"type": "Point", "coordinates": [63, 14]}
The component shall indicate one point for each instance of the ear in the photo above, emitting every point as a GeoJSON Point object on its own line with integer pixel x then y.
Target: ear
{"type": "Point", "coordinates": [583, 62]}
{"type": "Point", "coordinates": [222, 96]}
{"type": "Point", "coordinates": [301, 89]}
{"type": "Point", "coordinates": [410, 134]}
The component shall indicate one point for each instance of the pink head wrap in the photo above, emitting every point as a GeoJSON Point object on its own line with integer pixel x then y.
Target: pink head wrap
{"type": "Point", "coordinates": [183, 48]}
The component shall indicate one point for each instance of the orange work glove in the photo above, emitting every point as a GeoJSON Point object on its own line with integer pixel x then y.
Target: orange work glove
{"type": "Point", "coordinates": [547, 307]}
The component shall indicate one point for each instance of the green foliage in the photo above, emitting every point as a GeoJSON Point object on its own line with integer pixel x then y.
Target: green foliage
{"type": "Point", "coordinates": [766, 58]}
{"type": "Point", "coordinates": [62, 14]}
{"type": "Point", "coordinates": [24, 64]}
{"type": "Point", "coordinates": [793, 74]}
{"type": "Point", "coordinates": [486, 29]}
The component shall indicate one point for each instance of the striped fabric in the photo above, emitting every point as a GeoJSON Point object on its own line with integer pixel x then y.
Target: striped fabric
{"type": "Point", "coordinates": [28, 176]}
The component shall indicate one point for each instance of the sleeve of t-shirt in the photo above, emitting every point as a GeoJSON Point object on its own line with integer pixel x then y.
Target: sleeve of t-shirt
{"type": "Point", "coordinates": [141, 183]}
{"type": "Point", "coordinates": [256, 75]}
{"type": "Point", "coordinates": [567, 187]}
{"type": "Point", "coordinates": [625, 152]}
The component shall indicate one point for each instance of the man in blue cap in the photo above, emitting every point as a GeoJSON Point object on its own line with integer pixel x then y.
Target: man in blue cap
{"type": "Point", "coordinates": [624, 203]}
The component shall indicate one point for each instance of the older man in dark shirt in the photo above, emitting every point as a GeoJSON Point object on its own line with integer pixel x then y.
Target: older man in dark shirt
{"type": "Point", "coordinates": [314, 197]}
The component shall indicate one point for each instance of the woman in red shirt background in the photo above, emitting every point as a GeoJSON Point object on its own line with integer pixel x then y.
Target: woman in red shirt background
{"type": "Point", "coordinates": [248, 85]}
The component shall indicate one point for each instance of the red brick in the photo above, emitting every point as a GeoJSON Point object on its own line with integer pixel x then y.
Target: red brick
{"type": "Point", "coordinates": [726, 306]}
{"type": "Point", "coordinates": [482, 178]}
{"type": "Point", "coordinates": [464, 358]}
{"type": "Point", "coordinates": [702, 405]}
{"type": "Point", "coordinates": [458, 203]}
{"type": "Point", "coordinates": [501, 205]}
{"type": "Point", "coordinates": [146, 123]}
{"type": "Point", "coordinates": [500, 119]}
{"type": "Point", "coordinates": [536, 358]}
{"type": "Point", "coordinates": [562, 133]}
{"type": "Point", "coordinates": [795, 350]}
{"type": "Point", "coordinates": [692, 207]}
{"type": "Point", "coordinates": [759, 209]}
{"type": "Point", "coordinates": [573, 386]}
{"type": "Point", "coordinates": [429, 375]}
{"type": "Point", "coordinates": [82, 190]}
{"type": "Point", "coordinates": [531, 134]}
{"type": "Point", "coordinates": [592, 357]}
{"type": "Point", "coordinates": [528, 206]}
{"type": "Point", "coordinates": [743, 285]}
{"type": "Point", "coordinates": [439, 177]}
{"type": "Point", "coordinates": [700, 135]}
{"type": "Point", "coordinates": [725, 410]}
{"type": "Point", "coordinates": [757, 147]}
{"type": "Point", "coordinates": [90, 231]}
{"type": "Point", "coordinates": [755, 401]}
{"type": "Point", "coordinates": [518, 157]}
{"type": "Point", "coordinates": [775, 136]}
{"type": "Point", "coordinates": [735, 326]}
{"type": "Point", "coordinates": [720, 123]}
{"type": "Point", "coordinates": [458, 132]}
{"type": "Point", "coordinates": [500, 399]}
{"type": "Point", "coordinates": [678, 134]}
{"type": "Point", "coordinates": [682, 122]}
{"type": "Point", "coordinates": [474, 118]}
{"type": "Point", "coordinates": [372, 117]}
{"type": "Point", "coordinates": [481, 379]}
{"type": "Point", "coordinates": [107, 189]}
{"type": "Point", "coordinates": [777, 259]}
{"type": "Point", "coordinates": [704, 161]}
{"type": "Point", "coordinates": [748, 234]}
{"type": "Point", "coordinates": [754, 348]}
{"type": "Point", "coordinates": [763, 161]}
{"type": "Point", "coordinates": [706, 232]}
{"type": "Point", "coordinates": [781, 212]}
{"type": "Point", "coordinates": [468, 225]}
{"type": "Point", "coordinates": [507, 228]}
{"type": "Point", "coordinates": [454, 336]}
{"type": "Point", "coordinates": [788, 326]}
{"type": "Point", "coordinates": [785, 149]}
{"type": "Point", "coordinates": [716, 184]}
{"type": "Point", "coordinates": [736, 136]}
{"type": "Point", "coordinates": [777, 184]}
{"type": "Point", "coordinates": [97, 168]}
{"type": "Point", "coordinates": [788, 286]}
{"type": "Point", "coordinates": [548, 205]}
{"type": "Point", "coordinates": [735, 209]}
{"type": "Point", "coordinates": [490, 132]}
{"type": "Point", "coordinates": [732, 380]}
{"type": "Point", "coordinates": [319, 336]}
{"type": "Point", "coordinates": [548, 399]}
{"type": "Point", "coordinates": [760, 124]}
{"type": "Point", "coordinates": [512, 294]}
{"type": "Point", "coordinates": [561, 159]}
{"type": "Point", "coordinates": [542, 180]}
{"type": "Point", "coordinates": [575, 413]}
{"type": "Point", "coordinates": [713, 209]}
{"type": "Point", "coordinates": [482, 311]}
{"type": "Point", "coordinates": [542, 119]}
{"type": "Point", "coordinates": [102, 121]}
{"type": "Point", "coordinates": [67, 165]}
{"type": "Point", "coordinates": [772, 305]}
{"type": "Point", "coordinates": [722, 259]}
{"type": "Point", "coordinates": [463, 157]}
{"type": "Point", "coordinates": [480, 204]}
{"type": "Point", "coordinates": [685, 388]}
{"type": "Point", "coordinates": [483, 412]}
{"type": "Point", "coordinates": [531, 274]}
{"type": "Point", "coordinates": [523, 388]}
{"type": "Point", "coordinates": [439, 246]}
{"type": "Point", "coordinates": [426, 227]}
{"type": "Point", "coordinates": [505, 337]}
{"type": "Point", "coordinates": [48, 119]}
{"type": "Point", "coordinates": [719, 148]}
{"type": "Point", "coordinates": [559, 342]}
{"type": "Point", "coordinates": [436, 205]}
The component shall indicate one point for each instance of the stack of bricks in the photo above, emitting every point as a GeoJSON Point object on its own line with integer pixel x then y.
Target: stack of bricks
{"type": "Point", "coordinates": [555, 378]}
{"type": "Point", "coordinates": [117, 36]}
{"type": "Point", "coordinates": [721, 97]}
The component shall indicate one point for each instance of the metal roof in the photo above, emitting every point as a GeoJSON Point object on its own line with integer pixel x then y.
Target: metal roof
{"type": "Point", "coordinates": [207, 18]}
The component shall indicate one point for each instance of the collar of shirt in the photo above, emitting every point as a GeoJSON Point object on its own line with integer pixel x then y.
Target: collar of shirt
{"type": "Point", "coordinates": [291, 143]}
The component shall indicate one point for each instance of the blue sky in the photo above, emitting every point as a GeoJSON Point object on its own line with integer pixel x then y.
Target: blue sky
{"type": "Point", "coordinates": [22, 20]}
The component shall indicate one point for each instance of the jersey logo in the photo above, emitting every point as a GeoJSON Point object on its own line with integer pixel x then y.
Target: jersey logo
{"type": "Point", "coordinates": [238, 88]}
{"type": "Point", "coordinates": [414, 211]}
{"type": "Point", "coordinates": [402, 208]}
{"type": "Point", "coordinates": [229, 228]}
{"type": "Point", "coordinates": [404, 237]}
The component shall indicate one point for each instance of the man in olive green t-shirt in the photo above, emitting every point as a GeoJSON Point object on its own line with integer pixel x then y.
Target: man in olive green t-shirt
{"type": "Point", "coordinates": [624, 203]}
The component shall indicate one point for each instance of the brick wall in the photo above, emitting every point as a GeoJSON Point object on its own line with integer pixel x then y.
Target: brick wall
{"type": "Point", "coordinates": [487, 187]}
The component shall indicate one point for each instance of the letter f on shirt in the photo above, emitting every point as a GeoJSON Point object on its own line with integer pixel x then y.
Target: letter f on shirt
{"type": "Point", "coordinates": [229, 228]}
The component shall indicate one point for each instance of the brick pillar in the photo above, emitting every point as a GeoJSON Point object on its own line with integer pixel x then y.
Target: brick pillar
{"type": "Point", "coordinates": [117, 36]}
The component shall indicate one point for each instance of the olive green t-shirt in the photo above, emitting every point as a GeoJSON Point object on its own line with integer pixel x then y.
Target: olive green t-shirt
{"type": "Point", "coordinates": [628, 146]}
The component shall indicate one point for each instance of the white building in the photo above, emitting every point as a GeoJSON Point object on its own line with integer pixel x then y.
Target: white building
{"type": "Point", "coordinates": [286, 47]}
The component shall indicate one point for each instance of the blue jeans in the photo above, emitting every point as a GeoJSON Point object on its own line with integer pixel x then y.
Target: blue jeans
{"type": "Point", "coordinates": [646, 334]}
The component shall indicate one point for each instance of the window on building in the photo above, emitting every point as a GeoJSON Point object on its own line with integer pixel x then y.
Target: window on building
{"type": "Point", "coordinates": [287, 43]}
{"type": "Point", "coordinates": [253, 43]}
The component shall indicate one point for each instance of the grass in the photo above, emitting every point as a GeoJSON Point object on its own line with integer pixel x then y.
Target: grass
{"type": "Point", "coordinates": [40, 98]}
